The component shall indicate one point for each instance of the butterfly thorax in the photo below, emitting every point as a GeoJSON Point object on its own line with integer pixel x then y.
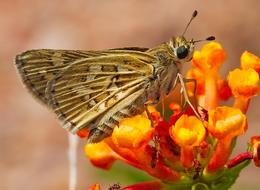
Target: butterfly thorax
{"type": "Point", "coordinates": [170, 57]}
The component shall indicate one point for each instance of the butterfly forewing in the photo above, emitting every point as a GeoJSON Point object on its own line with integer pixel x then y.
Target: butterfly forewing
{"type": "Point", "coordinates": [88, 89]}
{"type": "Point", "coordinates": [37, 67]}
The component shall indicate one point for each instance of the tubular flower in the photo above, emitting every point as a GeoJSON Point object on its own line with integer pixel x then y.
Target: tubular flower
{"type": "Point", "coordinates": [210, 57]}
{"type": "Point", "coordinates": [100, 154]}
{"type": "Point", "coordinates": [226, 121]}
{"type": "Point", "coordinates": [208, 61]}
{"type": "Point", "coordinates": [244, 85]}
{"type": "Point", "coordinates": [255, 143]}
{"type": "Point", "coordinates": [249, 60]}
{"type": "Point", "coordinates": [187, 132]}
{"type": "Point", "coordinates": [189, 147]}
{"type": "Point", "coordinates": [133, 132]}
{"type": "Point", "coordinates": [224, 124]}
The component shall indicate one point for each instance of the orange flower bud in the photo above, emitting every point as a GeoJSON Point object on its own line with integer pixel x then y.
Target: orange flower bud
{"type": "Point", "coordinates": [226, 121]}
{"type": "Point", "coordinates": [255, 142]}
{"type": "Point", "coordinates": [176, 108]}
{"type": "Point", "coordinates": [133, 132]}
{"type": "Point", "coordinates": [100, 154]}
{"type": "Point", "coordinates": [94, 187]}
{"type": "Point", "coordinates": [211, 56]}
{"type": "Point", "coordinates": [83, 133]}
{"type": "Point", "coordinates": [154, 114]}
{"type": "Point", "coordinates": [224, 91]}
{"type": "Point", "coordinates": [187, 132]}
{"type": "Point", "coordinates": [243, 83]}
{"type": "Point", "coordinates": [249, 60]}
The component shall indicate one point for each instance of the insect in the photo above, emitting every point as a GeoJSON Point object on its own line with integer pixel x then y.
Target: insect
{"type": "Point", "coordinates": [96, 89]}
{"type": "Point", "coordinates": [114, 187]}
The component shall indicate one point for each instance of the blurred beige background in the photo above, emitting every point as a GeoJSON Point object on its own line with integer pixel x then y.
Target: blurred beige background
{"type": "Point", "coordinates": [33, 147]}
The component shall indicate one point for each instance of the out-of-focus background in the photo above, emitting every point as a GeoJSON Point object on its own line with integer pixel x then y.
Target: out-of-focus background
{"type": "Point", "coordinates": [33, 146]}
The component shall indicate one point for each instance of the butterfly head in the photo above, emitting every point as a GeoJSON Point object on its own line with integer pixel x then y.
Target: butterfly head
{"type": "Point", "coordinates": [181, 49]}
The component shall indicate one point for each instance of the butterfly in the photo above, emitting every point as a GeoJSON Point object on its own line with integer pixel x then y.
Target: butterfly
{"type": "Point", "coordinates": [94, 90]}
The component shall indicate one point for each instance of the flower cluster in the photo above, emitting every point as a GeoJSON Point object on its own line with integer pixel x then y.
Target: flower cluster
{"type": "Point", "coordinates": [190, 152]}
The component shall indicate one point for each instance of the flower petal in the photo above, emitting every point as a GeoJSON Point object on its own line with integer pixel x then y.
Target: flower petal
{"type": "Point", "coordinates": [133, 132]}
{"type": "Point", "coordinates": [100, 154]}
{"type": "Point", "coordinates": [226, 121]}
{"type": "Point", "coordinates": [243, 83]}
{"type": "Point", "coordinates": [249, 60]}
{"type": "Point", "coordinates": [188, 131]}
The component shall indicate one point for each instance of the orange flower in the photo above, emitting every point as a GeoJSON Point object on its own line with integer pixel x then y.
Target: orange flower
{"type": "Point", "coordinates": [187, 132]}
{"type": "Point", "coordinates": [211, 56]}
{"type": "Point", "coordinates": [225, 123]}
{"type": "Point", "coordinates": [133, 132]}
{"type": "Point", "coordinates": [249, 60]}
{"type": "Point", "coordinates": [208, 61]}
{"type": "Point", "coordinates": [243, 83]}
{"type": "Point", "coordinates": [100, 154]}
{"type": "Point", "coordinates": [255, 142]}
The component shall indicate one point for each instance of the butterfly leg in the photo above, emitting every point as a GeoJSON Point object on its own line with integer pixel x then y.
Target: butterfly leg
{"type": "Point", "coordinates": [194, 89]}
{"type": "Point", "coordinates": [150, 103]}
{"type": "Point", "coordinates": [183, 82]}
{"type": "Point", "coordinates": [156, 144]}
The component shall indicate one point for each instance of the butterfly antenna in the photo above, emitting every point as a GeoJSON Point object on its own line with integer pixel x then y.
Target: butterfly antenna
{"type": "Point", "coordinates": [194, 14]}
{"type": "Point", "coordinates": [210, 38]}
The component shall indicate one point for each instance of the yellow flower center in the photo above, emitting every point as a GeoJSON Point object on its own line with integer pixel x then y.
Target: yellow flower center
{"type": "Point", "coordinates": [188, 131]}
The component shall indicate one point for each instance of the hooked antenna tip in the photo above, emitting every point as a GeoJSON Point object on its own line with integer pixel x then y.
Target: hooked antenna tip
{"type": "Point", "coordinates": [194, 14]}
{"type": "Point", "coordinates": [211, 38]}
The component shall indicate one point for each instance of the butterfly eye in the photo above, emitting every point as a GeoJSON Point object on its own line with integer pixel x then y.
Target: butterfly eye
{"type": "Point", "coordinates": [182, 52]}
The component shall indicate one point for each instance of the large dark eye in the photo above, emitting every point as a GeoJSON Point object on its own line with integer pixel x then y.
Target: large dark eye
{"type": "Point", "coordinates": [182, 52]}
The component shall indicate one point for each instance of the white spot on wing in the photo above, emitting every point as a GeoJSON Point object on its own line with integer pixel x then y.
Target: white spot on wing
{"type": "Point", "coordinates": [95, 68]}
{"type": "Point", "coordinates": [102, 106]}
{"type": "Point", "coordinates": [120, 69]}
{"type": "Point", "coordinates": [92, 103]}
{"type": "Point", "coordinates": [119, 95]}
